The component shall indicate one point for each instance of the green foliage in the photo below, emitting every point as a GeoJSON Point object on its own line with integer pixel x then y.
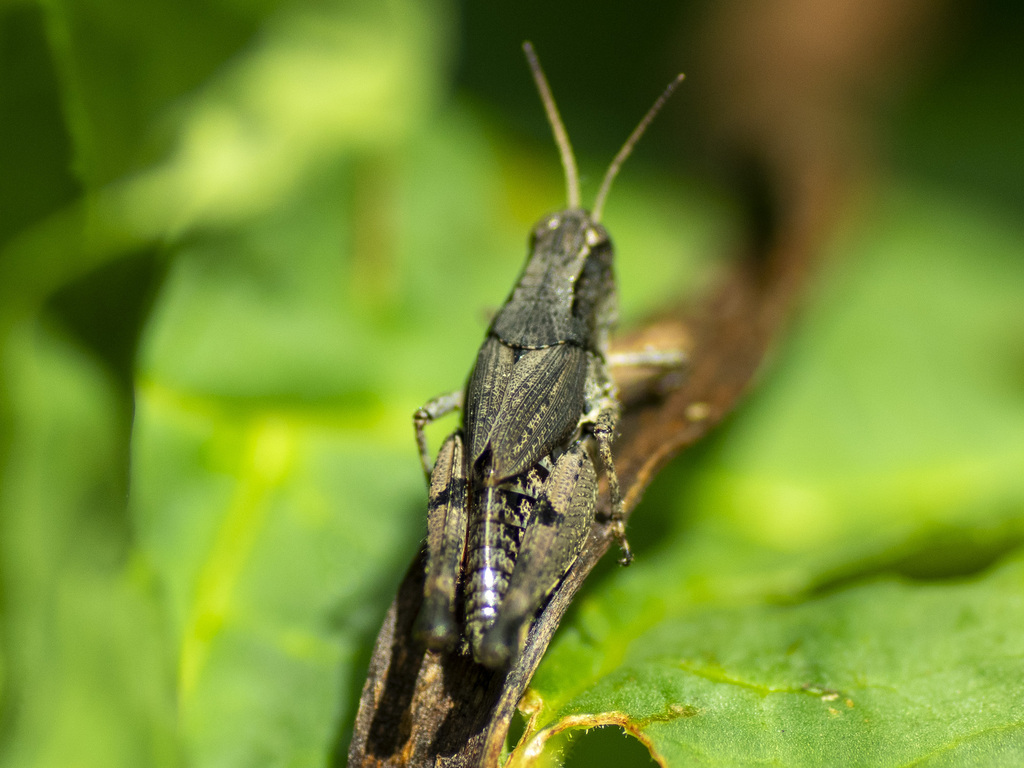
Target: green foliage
{"type": "Point", "coordinates": [239, 247]}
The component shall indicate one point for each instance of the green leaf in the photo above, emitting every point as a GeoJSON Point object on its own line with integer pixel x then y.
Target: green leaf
{"type": "Point", "coordinates": [223, 614]}
{"type": "Point", "coordinates": [85, 659]}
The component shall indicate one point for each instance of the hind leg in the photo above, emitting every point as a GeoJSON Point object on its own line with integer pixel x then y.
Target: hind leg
{"type": "Point", "coordinates": [554, 538]}
{"type": "Point", "coordinates": [446, 542]}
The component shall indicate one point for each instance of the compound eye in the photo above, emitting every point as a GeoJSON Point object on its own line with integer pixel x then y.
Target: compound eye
{"type": "Point", "coordinates": [593, 237]}
{"type": "Point", "coordinates": [544, 226]}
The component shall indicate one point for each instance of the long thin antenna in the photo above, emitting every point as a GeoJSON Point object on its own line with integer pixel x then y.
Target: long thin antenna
{"type": "Point", "coordinates": [572, 176]}
{"type": "Point", "coordinates": [627, 148]}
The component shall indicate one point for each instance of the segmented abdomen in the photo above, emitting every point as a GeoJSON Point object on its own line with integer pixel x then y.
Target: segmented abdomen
{"type": "Point", "coordinates": [498, 517]}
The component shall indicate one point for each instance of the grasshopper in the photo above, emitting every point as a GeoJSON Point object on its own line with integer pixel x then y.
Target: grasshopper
{"type": "Point", "coordinates": [512, 493]}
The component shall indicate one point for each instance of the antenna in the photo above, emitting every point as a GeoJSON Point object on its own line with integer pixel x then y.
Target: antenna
{"type": "Point", "coordinates": [627, 148]}
{"type": "Point", "coordinates": [572, 176]}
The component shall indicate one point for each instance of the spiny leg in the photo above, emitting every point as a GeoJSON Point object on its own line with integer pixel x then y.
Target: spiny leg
{"type": "Point", "coordinates": [604, 434]}
{"type": "Point", "coordinates": [602, 417]}
{"type": "Point", "coordinates": [432, 410]}
{"type": "Point", "coordinates": [446, 542]}
{"type": "Point", "coordinates": [557, 531]}
{"type": "Point", "coordinates": [606, 420]}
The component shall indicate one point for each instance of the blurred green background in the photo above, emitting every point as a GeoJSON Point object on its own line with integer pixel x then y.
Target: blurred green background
{"type": "Point", "coordinates": [241, 242]}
